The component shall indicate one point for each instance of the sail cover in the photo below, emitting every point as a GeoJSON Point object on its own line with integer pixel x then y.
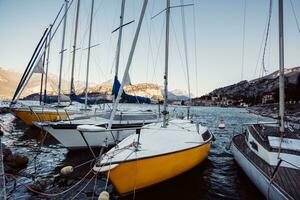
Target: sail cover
{"type": "Point", "coordinates": [127, 97]}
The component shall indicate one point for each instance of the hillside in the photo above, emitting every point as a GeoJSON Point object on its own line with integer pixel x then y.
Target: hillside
{"type": "Point", "coordinates": [9, 80]}
{"type": "Point", "coordinates": [253, 91]}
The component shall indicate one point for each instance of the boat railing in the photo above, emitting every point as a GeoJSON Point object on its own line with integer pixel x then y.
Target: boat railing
{"type": "Point", "coordinates": [42, 110]}
{"type": "Point", "coordinates": [36, 115]}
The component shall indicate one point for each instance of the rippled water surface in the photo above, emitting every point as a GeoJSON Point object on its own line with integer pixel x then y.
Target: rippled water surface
{"type": "Point", "coordinates": [218, 177]}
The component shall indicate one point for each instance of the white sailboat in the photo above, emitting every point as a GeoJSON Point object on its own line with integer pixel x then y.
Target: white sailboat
{"type": "Point", "coordinates": [269, 153]}
{"type": "Point", "coordinates": [66, 131]}
{"type": "Point", "coordinates": [158, 151]}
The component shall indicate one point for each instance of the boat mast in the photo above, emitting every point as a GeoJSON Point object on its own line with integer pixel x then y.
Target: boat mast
{"type": "Point", "coordinates": [281, 65]}
{"type": "Point", "coordinates": [119, 43]}
{"type": "Point", "coordinates": [119, 39]}
{"type": "Point", "coordinates": [42, 76]}
{"type": "Point", "coordinates": [165, 112]}
{"type": "Point", "coordinates": [125, 77]}
{"type": "Point", "coordinates": [72, 89]}
{"type": "Point", "coordinates": [88, 56]}
{"type": "Point", "coordinates": [62, 51]}
{"type": "Point", "coordinates": [47, 65]}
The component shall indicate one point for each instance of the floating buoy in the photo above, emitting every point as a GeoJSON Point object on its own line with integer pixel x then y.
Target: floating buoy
{"type": "Point", "coordinates": [104, 196]}
{"type": "Point", "coordinates": [221, 126]}
{"type": "Point", "coordinates": [67, 170]}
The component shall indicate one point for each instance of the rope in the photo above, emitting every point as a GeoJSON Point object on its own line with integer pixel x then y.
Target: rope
{"type": "Point", "coordinates": [107, 178]}
{"type": "Point", "coordinates": [83, 164]}
{"type": "Point", "coordinates": [178, 48]}
{"type": "Point", "coordinates": [136, 168]}
{"type": "Point", "coordinates": [273, 176]}
{"type": "Point", "coordinates": [83, 187]}
{"type": "Point", "coordinates": [159, 45]}
{"type": "Point", "coordinates": [94, 189]}
{"type": "Point", "coordinates": [266, 38]}
{"type": "Point", "coordinates": [195, 48]}
{"type": "Point", "coordinates": [185, 48]}
{"type": "Point", "coordinates": [295, 16]}
{"type": "Point", "coordinates": [260, 48]}
{"type": "Point", "coordinates": [50, 194]}
{"type": "Point", "coordinates": [290, 164]}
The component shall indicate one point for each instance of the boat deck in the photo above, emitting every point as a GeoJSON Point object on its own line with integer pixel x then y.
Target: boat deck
{"type": "Point", "coordinates": [262, 132]}
{"type": "Point", "coordinates": [287, 180]}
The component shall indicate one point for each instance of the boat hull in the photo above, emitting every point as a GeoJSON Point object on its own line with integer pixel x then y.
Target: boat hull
{"type": "Point", "coordinates": [256, 175]}
{"type": "Point", "coordinates": [72, 138]}
{"type": "Point", "coordinates": [137, 174]}
{"type": "Point", "coordinates": [28, 117]}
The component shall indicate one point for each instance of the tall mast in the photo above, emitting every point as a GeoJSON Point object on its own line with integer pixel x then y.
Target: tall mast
{"type": "Point", "coordinates": [72, 89]}
{"type": "Point", "coordinates": [42, 76]}
{"type": "Point", "coordinates": [88, 56]}
{"type": "Point", "coordinates": [119, 39]}
{"type": "Point", "coordinates": [47, 64]}
{"type": "Point", "coordinates": [281, 65]}
{"type": "Point", "coordinates": [165, 112]}
{"type": "Point", "coordinates": [62, 50]}
{"type": "Point", "coordinates": [125, 77]}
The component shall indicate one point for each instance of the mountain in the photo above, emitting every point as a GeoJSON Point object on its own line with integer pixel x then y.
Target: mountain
{"type": "Point", "coordinates": [178, 94]}
{"type": "Point", "coordinates": [254, 90]}
{"type": "Point", "coordinates": [9, 80]}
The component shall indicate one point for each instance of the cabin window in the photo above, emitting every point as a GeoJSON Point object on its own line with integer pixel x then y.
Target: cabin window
{"type": "Point", "coordinates": [205, 135]}
{"type": "Point", "coordinates": [254, 145]}
{"type": "Point", "coordinates": [247, 134]}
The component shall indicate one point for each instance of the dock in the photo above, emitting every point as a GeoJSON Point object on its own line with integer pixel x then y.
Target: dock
{"type": "Point", "coordinates": [2, 175]}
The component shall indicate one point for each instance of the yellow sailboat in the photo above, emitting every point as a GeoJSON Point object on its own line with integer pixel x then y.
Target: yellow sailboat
{"type": "Point", "coordinates": [155, 155]}
{"type": "Point", "coordinates": [158, 151]}
{"type": "Point", "coordinates": [39, 114]}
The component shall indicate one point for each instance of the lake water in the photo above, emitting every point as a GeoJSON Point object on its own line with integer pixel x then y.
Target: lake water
{"type": "Point", "coordinates": [218, 177]}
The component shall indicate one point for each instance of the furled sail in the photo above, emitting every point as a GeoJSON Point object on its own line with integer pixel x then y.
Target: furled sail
{"type": "Point", "coordinates": [32, 66]}
{"type": "Point", "coordinates": [127, 97]}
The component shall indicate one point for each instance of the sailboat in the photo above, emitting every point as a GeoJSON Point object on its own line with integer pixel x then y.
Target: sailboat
{"type": "Point", "coordinates": [158, 151]}
{"type": "Point", "coordinates": [66, 132]}
{"type": "Point", "coordinates": [39, 59]}
{"type": "Point", "coordinates": [269, 153]}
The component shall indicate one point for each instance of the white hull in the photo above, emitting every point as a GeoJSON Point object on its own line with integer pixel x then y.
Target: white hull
{"type": "Point", "coordinates": [72, 139]}
{"type": "Point", "coordinates": [257, 176]}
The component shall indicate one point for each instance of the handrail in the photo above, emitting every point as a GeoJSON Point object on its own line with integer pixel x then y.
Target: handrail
{"type": "Point", "coordinates": [34, 113]}
{"type": "Point", "coordinates": [68, 116]}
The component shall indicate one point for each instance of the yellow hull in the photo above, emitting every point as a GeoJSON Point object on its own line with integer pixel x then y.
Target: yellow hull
{"type": "Point", "coordinates": [138, 174]}
{"type": "Point", "coordinates": [29, 117]}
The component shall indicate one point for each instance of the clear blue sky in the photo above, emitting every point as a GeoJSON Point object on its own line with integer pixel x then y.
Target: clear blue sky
{"type": "Point", "coordinates": [219, 30]}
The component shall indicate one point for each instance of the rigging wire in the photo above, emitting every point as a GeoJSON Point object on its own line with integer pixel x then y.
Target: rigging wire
{"type": "Point", "coordinates": [150, 48]}
{"type": "Point", "coordinates": [295, 16]}
{"type": "Point", "coordinates": [244, 34]}
{"type": "Point", "coordinates": [260, 48]}
{"type": "Point", "coordinates": [185, 49]}
{"type": "Point", "coordinates": [264, 70]}
{"type": "Point", "coordinates": [195, 46]}
{"type": "Point", "coordinates": [179, 52]}
{"type": "Point", "coordinates": [158, 49]}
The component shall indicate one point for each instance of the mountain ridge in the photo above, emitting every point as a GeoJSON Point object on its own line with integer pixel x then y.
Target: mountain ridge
{"type": "Point", "coordinates": [9, 80]}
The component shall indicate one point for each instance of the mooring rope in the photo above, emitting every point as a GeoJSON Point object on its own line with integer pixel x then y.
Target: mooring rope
{"type": "Point", "coordinates": [50, 194]}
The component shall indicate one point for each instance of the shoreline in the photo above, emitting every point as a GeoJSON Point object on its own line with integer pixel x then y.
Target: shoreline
{"type": "Point", "coordinates": [292, 112]}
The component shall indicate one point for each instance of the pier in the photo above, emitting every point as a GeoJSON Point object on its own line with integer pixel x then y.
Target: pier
{"type": "Point", "coordinates": [2, 175]}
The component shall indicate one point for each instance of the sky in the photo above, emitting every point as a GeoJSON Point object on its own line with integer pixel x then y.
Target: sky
{"type": "Point", "coordinates": [215, 52]}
